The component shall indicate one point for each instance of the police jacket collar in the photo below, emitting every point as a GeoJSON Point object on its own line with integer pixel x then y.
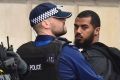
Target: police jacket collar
{"type": "Point", "coordinates": [42, 40]}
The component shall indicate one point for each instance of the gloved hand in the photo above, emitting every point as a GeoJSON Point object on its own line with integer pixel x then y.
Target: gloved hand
{"type": "Point", "coordinates": [21, 65]}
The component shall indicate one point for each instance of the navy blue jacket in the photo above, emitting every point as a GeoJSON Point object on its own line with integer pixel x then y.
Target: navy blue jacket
{"type": "Point", "coordinates": [73, 66]}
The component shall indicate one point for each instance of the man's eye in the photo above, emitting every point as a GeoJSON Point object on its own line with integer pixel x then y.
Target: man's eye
{"type": "Point", "coordinates": [76, 26]}
{"type": "Point", "coordinates": [84, 27]}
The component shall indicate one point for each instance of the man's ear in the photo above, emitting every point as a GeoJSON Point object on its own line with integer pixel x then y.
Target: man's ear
{"type": "Point", "coordinates": [97, 30]}
{"type": "Point", "coordinates": [45, 23]}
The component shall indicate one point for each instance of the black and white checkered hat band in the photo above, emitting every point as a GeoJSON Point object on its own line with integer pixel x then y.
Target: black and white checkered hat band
{"type": "Point", "coordinates": [45, 15]}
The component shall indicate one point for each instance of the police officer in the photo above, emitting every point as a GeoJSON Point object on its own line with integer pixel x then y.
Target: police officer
{"type": "Point", "coordinates": [12, 66]}
{"type": "Point", "coordinates": [44, 59]}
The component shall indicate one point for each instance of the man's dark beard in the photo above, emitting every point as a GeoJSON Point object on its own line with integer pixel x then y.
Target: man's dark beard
{"type": "Point", "coordinates": [86, 43]}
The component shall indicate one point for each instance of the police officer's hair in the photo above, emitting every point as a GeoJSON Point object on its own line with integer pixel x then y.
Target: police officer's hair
{"type": "Point", "coordinates": [95, 19]}
{"type": "Point", "coordinates": [37, 27]}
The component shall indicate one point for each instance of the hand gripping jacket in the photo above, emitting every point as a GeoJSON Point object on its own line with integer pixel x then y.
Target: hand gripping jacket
{"type": "Point", "coordinates": [42, 61]}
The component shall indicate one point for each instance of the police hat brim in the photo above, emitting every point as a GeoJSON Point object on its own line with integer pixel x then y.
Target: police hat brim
{"type": "Point", "coordinates": [62, 14]}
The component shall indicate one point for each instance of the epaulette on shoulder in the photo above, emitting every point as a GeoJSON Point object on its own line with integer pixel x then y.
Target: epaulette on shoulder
{"type": "Point", "coordinates": [64, 40]}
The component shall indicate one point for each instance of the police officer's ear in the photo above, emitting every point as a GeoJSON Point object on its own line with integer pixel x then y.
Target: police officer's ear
{"type": "Point", "coordinates": [96, 31]}
{"type": "Point", "coordinates": [45, 24]}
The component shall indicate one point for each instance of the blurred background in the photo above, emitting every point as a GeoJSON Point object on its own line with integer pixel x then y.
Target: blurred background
{"type": "Point", "coordinates": [14, 19]}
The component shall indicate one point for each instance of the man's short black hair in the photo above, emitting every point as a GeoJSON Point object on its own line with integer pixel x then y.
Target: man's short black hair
{"type": "Point", "coordinates": [95, 19]}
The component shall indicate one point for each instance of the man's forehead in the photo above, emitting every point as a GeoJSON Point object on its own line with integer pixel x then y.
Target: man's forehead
{"type": "Point", "coordinates": [83, 18]}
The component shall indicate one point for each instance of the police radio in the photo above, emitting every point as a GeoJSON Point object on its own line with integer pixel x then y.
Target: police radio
{"type": "Point", "coordinates": [6, 63]}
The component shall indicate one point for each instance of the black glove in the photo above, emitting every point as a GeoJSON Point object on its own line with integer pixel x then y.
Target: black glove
{"type": "Point", "coordinates": [21, 65]}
